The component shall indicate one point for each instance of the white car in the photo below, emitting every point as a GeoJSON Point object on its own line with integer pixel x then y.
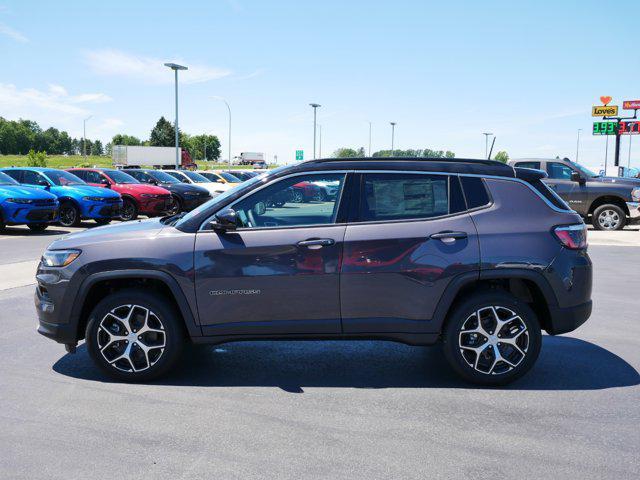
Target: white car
{"type": "Point", "coordinates": [187, 176]}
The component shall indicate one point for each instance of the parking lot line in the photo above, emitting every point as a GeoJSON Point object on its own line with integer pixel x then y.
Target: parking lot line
{"type": "Point", "coordinates": [18, 274]}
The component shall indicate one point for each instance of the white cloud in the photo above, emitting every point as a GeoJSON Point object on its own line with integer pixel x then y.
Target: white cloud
{"type": "Point", "coordinates": [56, 99]}
{"type": "Point", "coordinates": [12, 33]}
{"type": "Point", "coordinates": [148, 69]}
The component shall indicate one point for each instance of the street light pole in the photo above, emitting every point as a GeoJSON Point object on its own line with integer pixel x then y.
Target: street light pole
{"type": "Point", "coordinates": [369, 139]}
{"type": "Point", "coordinates": [315, 108]}
{"type": "Point", "coordinates": [578, 145]}
{"type": "Point", "coordinates": [486, 144]}
{"type": "Point", "coordinates": [84, 136]}
{"type": "Point", "coordinates": [393, 135]}
{"type": "Point", "coordinates": [629, 159]}
{"type": "Point", "coordinates": [320, 141]}
{"type": "Point", "coordinates": [229, 139]}
{"type": "Point", "coordinates": [175, 67]}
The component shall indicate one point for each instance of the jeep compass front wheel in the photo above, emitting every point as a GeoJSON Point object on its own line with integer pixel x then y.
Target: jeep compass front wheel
{"type": "Point", "coordinates": [134, 336]}
{"type": "Point", "coordinates": [492, 338]}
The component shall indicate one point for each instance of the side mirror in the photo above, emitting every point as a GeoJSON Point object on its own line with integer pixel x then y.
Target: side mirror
{"type": "Point", "coordinates": [105, 183]}
{"type": "Point", "coordinates": [44, 183]}
{"type": "Point", "coordinates": [260, 208]}
{"type": "Point", "coordinates": [225, 220]}
{"type": "Point", "coordinates": [576, 177]}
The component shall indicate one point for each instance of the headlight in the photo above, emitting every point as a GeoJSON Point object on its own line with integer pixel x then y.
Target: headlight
{"type": "Point", "coordinates": [93, 199]}
{"type": "Point", "coordinates": [59, 258]}
{"type": "Point", "coordinates": [19, 200]}
{"type": "Point", "coordinates": [191, 194]}
{"type": "Point", "coordinates": [635, 194]}
{"type": "Point", "coordinates": [149, 195]}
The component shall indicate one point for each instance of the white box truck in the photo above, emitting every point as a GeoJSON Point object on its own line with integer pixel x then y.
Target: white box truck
{"type": "Point", "coordinates": [158, 157]}
{"type": "Point", "coordinates": [251, 158]}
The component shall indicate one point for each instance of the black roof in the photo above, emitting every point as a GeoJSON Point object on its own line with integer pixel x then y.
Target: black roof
{"type": "Point", "coordinates": [449, 165]}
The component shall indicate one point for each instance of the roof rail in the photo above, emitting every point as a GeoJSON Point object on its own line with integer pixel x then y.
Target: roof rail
{"type": "Point", "coordinates": [410, 159]}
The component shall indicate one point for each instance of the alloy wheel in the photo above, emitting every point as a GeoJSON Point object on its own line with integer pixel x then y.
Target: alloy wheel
{"type": "Point", "coordinates": [297, 197]}
{"type": "Point", "coordinates": [68, 216]}
{"type": "Point", "coordinates": [131, 338]}
{"type": "Point", "coordinates": [609, 219]}
{"type": "Point", "coordinates": [494, 340]}
{"type": "Point", "coordinates": [128, 211]}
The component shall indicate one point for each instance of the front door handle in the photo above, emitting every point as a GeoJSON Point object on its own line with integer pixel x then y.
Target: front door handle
{"type": "Point", "coordinates": [449, 237]}
{"type": "Point", "coordinates": [315, 243]}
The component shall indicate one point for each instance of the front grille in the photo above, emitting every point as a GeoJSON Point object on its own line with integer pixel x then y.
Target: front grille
{"type": "Point", "coordinates": [112, 200]}
{"type": "Point", "coordinates": [43, 215]}
{"type": "Point", "coordinates": [109, 211]}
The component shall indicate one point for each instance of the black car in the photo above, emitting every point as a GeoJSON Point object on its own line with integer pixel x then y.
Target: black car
{"type": "Point", "coordinates": [609, 202]}
{"type": "Point", "coordinates": [185, 196]}
{"type": "Point", "coordinates": [420, 251]}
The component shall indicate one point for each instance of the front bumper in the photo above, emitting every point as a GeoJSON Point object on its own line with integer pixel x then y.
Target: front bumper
{"type": "Point", "coordinates": [155, 206]}
{"type": "Point", "coordinates": [20, 214]}
{"type": "Point", "coordinates": [634, 211]}
{"type": "Point", "coordinates": [101, 209]}
{"type": "Point", "coordinates": [189, 202]}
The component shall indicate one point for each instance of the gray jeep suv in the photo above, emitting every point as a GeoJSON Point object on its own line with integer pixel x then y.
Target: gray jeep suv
{"type": "Point", "coordinates": [420, 251]}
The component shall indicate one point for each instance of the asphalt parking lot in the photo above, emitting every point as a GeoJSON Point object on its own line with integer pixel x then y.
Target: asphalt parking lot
{"type": "Point", "coordinates": [325, 409]}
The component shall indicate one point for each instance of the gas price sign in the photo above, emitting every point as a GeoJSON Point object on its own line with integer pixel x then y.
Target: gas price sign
{"type": "Point", "coordinates": [605, 128]}
{"type": "Point", "coordinates": [628, 128]}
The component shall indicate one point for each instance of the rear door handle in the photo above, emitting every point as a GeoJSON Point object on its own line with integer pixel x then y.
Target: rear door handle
{"type": "Point", "coordinates": [315, 243]}
{"type": "Point", "coordinates": [449, 237]}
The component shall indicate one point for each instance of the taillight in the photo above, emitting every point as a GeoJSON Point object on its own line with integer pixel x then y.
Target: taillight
{"type": "Point", "coordinates": [572, 236]}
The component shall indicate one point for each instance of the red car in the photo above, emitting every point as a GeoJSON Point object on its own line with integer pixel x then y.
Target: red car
{"type": "Point", "coordinates": [137, 198]}
{"type": "Point", "coordinates": [307, 192]}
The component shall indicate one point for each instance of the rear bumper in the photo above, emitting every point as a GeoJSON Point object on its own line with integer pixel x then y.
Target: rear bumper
{"type": "Point", "coordinates": [567, 319]}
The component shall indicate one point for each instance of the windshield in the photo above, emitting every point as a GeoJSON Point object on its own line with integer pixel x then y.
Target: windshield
{"type": "Point", "coordinates": [7, 180]}
{"type": "Point", "coordinates": [229, 178]}
{"type": "Point", "coordinates": [196, 177]}
{"type": "Point", "coordinates": [223, 196]}
{"type": "Point", "coordinates": [584, 170]}
{"type": "Point", "coordinates": [120, 177]}
{"type": "Point", "coordinates": [62, 178]}
{"type": "Point", "coordinates": [163, 177]}
{"type": "Point", "coordinates": [178, 176]}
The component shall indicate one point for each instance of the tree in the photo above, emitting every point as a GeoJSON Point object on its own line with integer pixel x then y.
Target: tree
{"type": "Point", "coordinates": [197, 144]}
{"type": "Point", "coordinates": [502, 156]}
{"type": "Point", "coordinates": [36, 159]}
{"type": "Point", "coordinates": [163, 134]}
{"type": "Point", "coordinates": [123, 139]}
{"type": "Point", "coordinates": [96, 148]}
{"type": "Point", "coordinates": [345, 153]}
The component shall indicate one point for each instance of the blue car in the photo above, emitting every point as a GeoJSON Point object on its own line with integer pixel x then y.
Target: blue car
{"type": "Point", "coordinates": [20, 205]}
{"type": "Point", "coordinates": [78, 200]}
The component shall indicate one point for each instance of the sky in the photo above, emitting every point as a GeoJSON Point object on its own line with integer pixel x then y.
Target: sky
{"type": "Point", "coordinates": [526, 71]}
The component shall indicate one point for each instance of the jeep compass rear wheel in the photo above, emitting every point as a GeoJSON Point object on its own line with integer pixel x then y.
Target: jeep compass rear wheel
{"type": "Point", "coordinates": [492, 338]}
{"type": "Point", "coordinates": [134, 336]}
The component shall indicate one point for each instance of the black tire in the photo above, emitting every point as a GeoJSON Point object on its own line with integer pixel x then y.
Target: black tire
{"type": "Point", "coordinates": [159, 359]}
{"type": "Point", "coordinates": [37, 227]}
{"type": "Point", "coordinates": [297, 196]}
{"type": "Point", "coordinates": [129, 210]}
{"type": "Point", "coordinates": [2, 224]}
{"type": "Point", "coordinates": [609, 217]}
{"type": "Point", "coordinates": [524, 330]}
{"type": "Point", "coordinates": [69, 215]}
{"type": "Point", "coordinates": [319, 196]}
{"type": "Point", "coordinates": [103, 221]}
{"type": "Point", "coordinates": [176, 206]}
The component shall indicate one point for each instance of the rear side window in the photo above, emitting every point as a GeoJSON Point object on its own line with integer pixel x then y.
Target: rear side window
{"type": "Point", "coordinates": [31, 178]}
{"type": "Point", "coordinates": [390, 196]}
{"type": "Point", "coordinates": [475, 192]}
{"type": "Point", "coordinates": [549, 194]}
{"type": "Point", "coordinates": [535, 165]}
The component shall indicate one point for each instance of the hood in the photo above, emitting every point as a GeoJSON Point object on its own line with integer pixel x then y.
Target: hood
{"type": "Point", "coordinates": [620, 181]}
{"type": "Point", "coordinates": [86, 190]}
{"type": "Point", "coordinates": [137, 229]}
{"type": "Point", "coordinates": [183, 187]}
{"type": "Point", "coordinates": [138, 188]}
{"type": "Point", "coordinates": [21, 191]}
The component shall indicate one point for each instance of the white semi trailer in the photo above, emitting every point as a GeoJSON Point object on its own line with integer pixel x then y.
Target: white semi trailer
{"type": "Point", "coordinates": [157, 157]}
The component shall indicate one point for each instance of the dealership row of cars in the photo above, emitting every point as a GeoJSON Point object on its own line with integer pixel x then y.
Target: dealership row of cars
{"type": "Point", "coordinates": [38, 197]}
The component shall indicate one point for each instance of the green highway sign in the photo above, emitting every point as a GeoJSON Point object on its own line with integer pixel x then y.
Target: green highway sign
{"type": "Point", "coordinates": [299, 154]}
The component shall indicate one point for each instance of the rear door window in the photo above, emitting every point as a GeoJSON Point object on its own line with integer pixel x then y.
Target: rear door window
{"type": "Point", "coordinates": [534, 165]}
{"type": "Point", "coordinates": [15, 174]}
{"type": "Point", "coordinates": [399, 196]}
